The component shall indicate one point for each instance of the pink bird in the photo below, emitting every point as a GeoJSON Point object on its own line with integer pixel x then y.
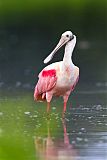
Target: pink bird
{"type": "Point", "coordinates": [60, 78]}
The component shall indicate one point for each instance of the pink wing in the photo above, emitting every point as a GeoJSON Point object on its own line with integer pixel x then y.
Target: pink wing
{"type": "Point", "coordinates": [47, 80]}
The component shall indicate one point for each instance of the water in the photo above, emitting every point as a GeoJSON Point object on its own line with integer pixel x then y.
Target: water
{"type": "Point", "coordinates": [26, 132]}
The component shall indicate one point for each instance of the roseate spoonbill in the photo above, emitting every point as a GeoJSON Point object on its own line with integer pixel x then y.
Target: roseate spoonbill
{"type": "Point", "coordinates": [59, 78]}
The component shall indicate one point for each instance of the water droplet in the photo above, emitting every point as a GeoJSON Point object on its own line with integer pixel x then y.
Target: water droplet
{"type": "Point", "coordinates": [17, 118]}
{"type": "Point", "coordinates": [80, 133]}
{"type": "Point", "coordinates": [82, 129]}
{"type": "Point", "coordinates": [53, 108]}
{"type": "Point", "coordinates": [27, 113]}
{"type": "Point", "coordinates": [79, 139]}
{"type": "Point", "coordinates": [89, 117]}
{"type": "Point", "coordinates": [35, 116]}
{"type": "Point", "coordinates": [73, 142]}
{"type": "Point", "coordinates": [85, 139]}
{"type": "Point", "coordinates": [1, 113]}
{"type": "Point", "coordinates": [98, 107]}
{"type": "Point", "coordinates": [67, 119]}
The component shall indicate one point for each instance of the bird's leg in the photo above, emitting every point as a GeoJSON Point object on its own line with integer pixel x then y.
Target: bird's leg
{"type": "Point", "coordinates": [48, 107]}
{"type": "Point", "coordinates": [65, 105]}
{"type": "Point", "coordinates": [64, 110]}
{"type": "Point", "coordinates": [48, 98]}
{"type": "Point", "coordinates": [65, 98]}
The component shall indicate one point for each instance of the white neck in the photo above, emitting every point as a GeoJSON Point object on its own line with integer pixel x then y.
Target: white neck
{"type": "Point", "coordinates": [68, 52]}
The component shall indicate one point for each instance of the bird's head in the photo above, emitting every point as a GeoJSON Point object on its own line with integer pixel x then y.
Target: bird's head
{"type": "Point", "coordinates": [65, 38]}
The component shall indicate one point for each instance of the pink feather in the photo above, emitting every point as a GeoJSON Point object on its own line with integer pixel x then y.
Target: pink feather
{"type": "Point", "coordinates": [47, 80]}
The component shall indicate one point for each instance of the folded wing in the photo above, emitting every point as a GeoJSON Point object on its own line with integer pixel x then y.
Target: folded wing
{"type": "Point", "coordinates": [47, 81]}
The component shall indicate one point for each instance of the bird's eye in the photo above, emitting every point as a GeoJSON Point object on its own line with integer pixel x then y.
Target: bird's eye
{"type": "Point", "coordinates": [67, 35]}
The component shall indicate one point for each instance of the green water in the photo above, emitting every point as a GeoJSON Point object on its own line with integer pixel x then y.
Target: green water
{"type": "Point", "coordinates": [26, 132]}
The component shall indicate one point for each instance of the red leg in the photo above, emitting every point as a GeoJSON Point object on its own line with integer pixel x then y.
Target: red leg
{"type": "Point", "coordinates": [65, 105]}
{"type": "Point", "coordinates": [64, 110]}
{"type": "Point", "coordinates": [65, 102]}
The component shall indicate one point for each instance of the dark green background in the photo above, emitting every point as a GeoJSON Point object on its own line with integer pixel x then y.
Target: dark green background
{"type": "Point", "coordinates": [30, 29]}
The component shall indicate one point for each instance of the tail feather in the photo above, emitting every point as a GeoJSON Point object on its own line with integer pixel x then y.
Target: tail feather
{"type": "Point", "coordinates": [38, 96]}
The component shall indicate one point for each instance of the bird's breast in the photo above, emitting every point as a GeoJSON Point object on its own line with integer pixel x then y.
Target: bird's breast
{"type": "Point", "coordinates": [65, 79]}
{"type": "Point", "coordinates": [63, 85]}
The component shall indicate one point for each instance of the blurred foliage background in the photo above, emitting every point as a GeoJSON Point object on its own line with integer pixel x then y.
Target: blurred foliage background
{"type": "Point", "coordinates": [57, 15]}
{"type": "Point", "coordinates": [29, 30]}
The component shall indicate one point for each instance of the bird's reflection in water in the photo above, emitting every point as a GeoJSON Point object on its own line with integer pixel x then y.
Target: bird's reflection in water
{"type": "Point", "coordinates": [56, 148]}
